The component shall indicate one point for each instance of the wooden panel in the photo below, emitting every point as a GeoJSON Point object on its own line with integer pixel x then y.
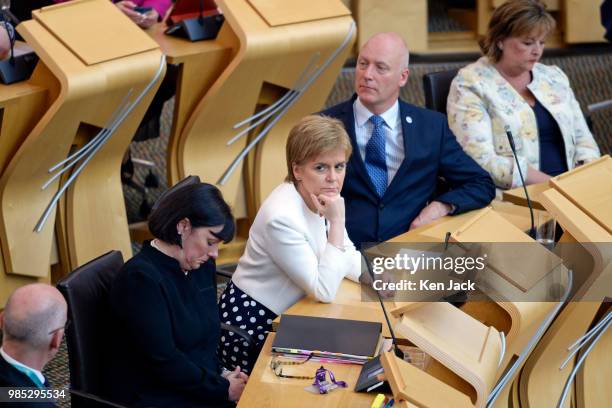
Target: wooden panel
{"type": "Point", "coordinates": [593, 381]}
{"type": "Point", "coordinates": [573, 219]}
{"type": "Point", "coordinates": [86, 97]}
{"type": "Point", "coordinates": [535, 261]}
{"type": "Point", "coordinates": [201, 63]}
{"type": "Point", "coordinates": [281, 12]}
{"type": "Point", "coordinates": [515, 214]}
{"type": "Point", "coordinates": [266, 390]}
{"type": "Point", "coordinates": [408, 18]}
{"type": "Point", "coordinates": [418, 387]}
{"type": "Point", "coordinates": [85, 24]}
{"type": "Point", "coordinates": [465, 346]}
{"type": "Point", "coordinates": [589, 187]}
{"type": "Point", "coordinates": [582, 21]}
{"type": "Point", "coordinates": [517, 195]}
{"type": "Point", "coordinates": [541, 380]}
{"type": "Point", "coordinates": [21, 105]}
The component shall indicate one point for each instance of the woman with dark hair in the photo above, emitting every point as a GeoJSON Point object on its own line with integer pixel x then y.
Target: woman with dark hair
{"type": "Point", "coordinates": [509, 91]}
{"type": "Point", "coordinates": [164, 305]}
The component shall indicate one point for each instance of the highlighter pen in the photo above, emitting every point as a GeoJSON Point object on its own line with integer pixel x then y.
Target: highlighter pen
{"type": "Point", "coordinates": [378, 401]}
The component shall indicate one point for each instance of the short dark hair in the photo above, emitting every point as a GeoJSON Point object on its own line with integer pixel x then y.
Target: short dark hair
{"type": "Point", "coordinates": [201, 203]}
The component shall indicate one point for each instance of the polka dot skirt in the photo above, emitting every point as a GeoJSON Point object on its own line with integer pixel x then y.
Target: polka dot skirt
{"type": "Point", "coordinates": [240, 310]}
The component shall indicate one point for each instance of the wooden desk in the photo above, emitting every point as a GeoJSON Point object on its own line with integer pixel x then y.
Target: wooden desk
{"type": "Point", "coordinates": [517, 195]}
{"type": "Point", "coordinates": [265, 389]}
{"type": "Point", "coordinates": [436, 231]}
{"type": "Point", "coordinates": [347, 305]}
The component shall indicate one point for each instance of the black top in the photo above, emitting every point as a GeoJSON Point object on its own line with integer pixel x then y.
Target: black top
{"type": "Point", "coordinates": [167, 331]}
{"type": "Point", "coordinates": [22, 10]}
{"type": "Point", "coordinates": [552, 148]}
{"type": "Point", "coordinates": [12, 377]}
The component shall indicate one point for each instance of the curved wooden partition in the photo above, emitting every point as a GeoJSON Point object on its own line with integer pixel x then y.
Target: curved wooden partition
{"type": "Point", "coordinates": [21, 106]}
{"type": "Point", "coordinates": [275, 43]}
{"type": "Point", "coordinates": [200, 64]}
{"type": "Point", "coordinates": [467, 347]}
{"type": "Point", "coordinates": [518, 292]}
{"type": "Point", "coordinates": [99, 61]}
{"type": "Point", "coordinates": [585, 213]}
{"type": "Point", "coordinates": [510, 308]}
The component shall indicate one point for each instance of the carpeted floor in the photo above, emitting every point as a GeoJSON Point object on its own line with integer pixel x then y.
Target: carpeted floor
{"type": "Point", "coordinates": [590, 75]}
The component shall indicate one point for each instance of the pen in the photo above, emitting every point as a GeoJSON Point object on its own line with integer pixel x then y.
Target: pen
{"type": "Point", "coordinates": [378, 401]}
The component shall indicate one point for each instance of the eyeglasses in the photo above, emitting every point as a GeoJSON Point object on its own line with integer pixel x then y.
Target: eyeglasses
{"type": "Point", "coordinates": [276, 366]}
{"type": "Point", "coordinates": [66, 326]}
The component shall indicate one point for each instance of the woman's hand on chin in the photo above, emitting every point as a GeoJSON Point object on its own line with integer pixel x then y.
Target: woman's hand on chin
{"type": "Point", "coordinates": [329, 206]}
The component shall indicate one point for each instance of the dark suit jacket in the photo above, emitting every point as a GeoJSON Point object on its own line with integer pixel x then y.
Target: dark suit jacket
{"type": "Point", "coordinates": [431, 150]}
{"type": "Point", "coordinates": [11, 377]}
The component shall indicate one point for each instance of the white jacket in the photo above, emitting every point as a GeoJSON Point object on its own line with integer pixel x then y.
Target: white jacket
{"type": "Point", "coordinates": [287, 255]}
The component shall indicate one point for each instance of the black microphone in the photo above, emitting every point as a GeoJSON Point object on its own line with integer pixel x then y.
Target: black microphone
{"type": "Point", "coordinates": [446, 239]}
{"type": "Point", "coordinates": [368, 377]}
{"type": "Point", "coordinates": [399, 353]}
{"type": "Point", "coordinates": [532, 231]}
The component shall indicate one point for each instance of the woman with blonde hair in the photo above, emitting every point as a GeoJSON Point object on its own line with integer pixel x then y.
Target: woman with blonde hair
{"type": "Point", "coordinates": [298, 245]}
{"type": "Point", "coordinates": [508, 92]}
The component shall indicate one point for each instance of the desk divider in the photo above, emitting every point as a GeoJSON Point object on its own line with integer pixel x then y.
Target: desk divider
{"type": "Point", "coordinates": [580, 201]}
{"type": "Point", "coordinates": [83, 99]}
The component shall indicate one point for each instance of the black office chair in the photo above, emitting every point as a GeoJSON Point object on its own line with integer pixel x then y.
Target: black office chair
{"type": "Point", "coordinates": [86, 290]}
{"type": "Point", "coordinates": [436, 86]}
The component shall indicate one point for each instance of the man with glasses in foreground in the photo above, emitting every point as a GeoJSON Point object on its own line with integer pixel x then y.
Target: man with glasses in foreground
{"type": "Point", "coordinates": [32, 330]}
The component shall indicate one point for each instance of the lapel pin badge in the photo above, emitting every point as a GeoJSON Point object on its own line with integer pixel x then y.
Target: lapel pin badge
{"type": "Point", "coordinates": [408, 119]}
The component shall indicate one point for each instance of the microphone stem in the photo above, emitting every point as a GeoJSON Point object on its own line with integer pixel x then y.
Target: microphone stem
{"type": "Point", "coordinates": [532, 232]}
{"type": "Point", "coordinates": [396, 349]}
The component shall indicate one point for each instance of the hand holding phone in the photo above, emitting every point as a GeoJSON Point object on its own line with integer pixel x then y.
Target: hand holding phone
{"type": "Point", "coordinates": [144, 17]}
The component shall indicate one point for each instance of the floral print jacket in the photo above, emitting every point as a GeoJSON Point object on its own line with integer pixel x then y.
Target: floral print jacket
{"type": "Point", "coordinates": [481, 104]}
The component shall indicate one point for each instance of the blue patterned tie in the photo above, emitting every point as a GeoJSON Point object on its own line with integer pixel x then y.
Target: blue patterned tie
{"type": "Point", "coordinates": [375, 156]}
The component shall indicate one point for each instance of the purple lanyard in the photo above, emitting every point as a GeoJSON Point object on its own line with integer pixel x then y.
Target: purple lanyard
{"type": "Point", "coordinates": [321, 381]}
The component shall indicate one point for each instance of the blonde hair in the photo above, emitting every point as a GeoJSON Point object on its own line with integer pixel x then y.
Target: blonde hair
{"type": "Point", "coordinates": [515, 18]}
{"type": "Point", "coordinates": [312, 136]}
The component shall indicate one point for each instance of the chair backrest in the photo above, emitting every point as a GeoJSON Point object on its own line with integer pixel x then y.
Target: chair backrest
{"type": "Point", "coordinates": [184, 182]}
{"type": "Point", "coordinates": [86, 290]}
{"type": "Point", "coordinates": [436, 86]}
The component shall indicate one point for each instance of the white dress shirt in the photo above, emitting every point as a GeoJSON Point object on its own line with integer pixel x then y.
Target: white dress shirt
{"type": "Point", "coordinates": [287, 255]}
{"type": "Point", "coordinates": [394, 139]}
